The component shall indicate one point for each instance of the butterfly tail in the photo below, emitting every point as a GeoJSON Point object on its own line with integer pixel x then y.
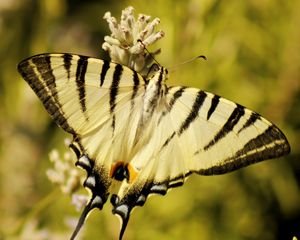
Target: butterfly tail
{"type": "Point", "coordinates": [81, 220]}
{"type": "Point", "coordinates": [95, 202]}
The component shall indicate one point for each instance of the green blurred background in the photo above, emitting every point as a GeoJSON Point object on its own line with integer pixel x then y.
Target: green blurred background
{"type": "Point", "coordinates": [253, 51]}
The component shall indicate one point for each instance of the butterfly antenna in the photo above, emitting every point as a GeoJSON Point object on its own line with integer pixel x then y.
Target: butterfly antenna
{"type": "Point", "coordinates": [188, 61]}
{"type": "Point", "coordinates": [82, 218]}
{"type": "Point", "coordinates": [150, 54]}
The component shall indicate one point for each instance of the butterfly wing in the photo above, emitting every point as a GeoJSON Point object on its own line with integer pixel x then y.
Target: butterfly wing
{"type": "Point", "coordinates": [198, 132]}
{"type": "Point", "coordinates": [93, 100]}
{"type": "Point", "coordinates": [72, 87]}
{"type": "Point", "coordinates": [223, 136]}
{"type": "Point", "coordinates": [203, 133]}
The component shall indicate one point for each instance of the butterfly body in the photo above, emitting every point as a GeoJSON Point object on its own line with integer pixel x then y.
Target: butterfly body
{"type": "Point", "coordinates": [152, 98]}
{"type": "Point", "coordinates": [142, 133]}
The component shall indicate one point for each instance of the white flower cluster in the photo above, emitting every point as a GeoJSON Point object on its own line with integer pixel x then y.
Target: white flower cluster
{"type": "Point", "coordinates": [128, 39]}
{"type": "Point", "coordinates": [64, 173]}
{"type": "Point", "coordinates": [67, 176]}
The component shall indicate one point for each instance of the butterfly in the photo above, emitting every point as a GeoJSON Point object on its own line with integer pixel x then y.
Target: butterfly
{"type": "Point", "coordinates": [141, 133]}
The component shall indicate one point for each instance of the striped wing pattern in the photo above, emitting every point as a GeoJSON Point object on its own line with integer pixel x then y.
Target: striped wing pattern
{"type": "Point", "coordinates": [218, 135]}
{"type": "Point", "coordinates": [187, 130]}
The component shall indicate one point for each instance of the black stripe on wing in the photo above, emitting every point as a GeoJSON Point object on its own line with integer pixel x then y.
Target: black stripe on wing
{"type": "Point", "coordinates": [252, 119]}
{"type": "Point", "coordinates": [67, 63]}
{"type": "Point", "coordinates": [136, 83]}
{"type": "Point", "coordinates": [44, 69]}
{"type": "Point", "coordinates": [214, 103]}
{"type": "Point", "coordinates": [272, 135]}
{"type": "Point", "coordinates": [114, 89]}
{"type": "Point", "coordinates": [80, 81]}
{"type": "Point", "coordinates": [234, 118]}
{"type": "Point", "coordinates": [270, 144]}
{"type": "Point", "coordinates": [168, 140]}
{"type": "Point", "coordinates": [175, 97]}
{"type": "Point", "coordinates": [105, 67]}
{"type": "Point", "coordinates": [194, 111]}
{"type": "Point", "coordinates": [43, 84]}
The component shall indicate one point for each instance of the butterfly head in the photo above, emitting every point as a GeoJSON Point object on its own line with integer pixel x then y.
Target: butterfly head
{"type": "Point", "coordinates": [157, 73]}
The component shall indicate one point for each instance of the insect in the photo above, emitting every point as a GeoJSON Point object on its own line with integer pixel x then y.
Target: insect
{"type": "Point", "coordinates": [142, 133]}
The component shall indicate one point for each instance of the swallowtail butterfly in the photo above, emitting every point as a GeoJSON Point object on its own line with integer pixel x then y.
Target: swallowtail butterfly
{"type": "Point", "coordinates": [141, 132]}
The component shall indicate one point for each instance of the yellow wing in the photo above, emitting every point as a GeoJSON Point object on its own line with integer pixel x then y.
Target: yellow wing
{"type": "Point", "coordinates": [197, 132]}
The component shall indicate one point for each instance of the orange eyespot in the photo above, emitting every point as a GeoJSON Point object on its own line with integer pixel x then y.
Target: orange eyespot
{"type": "Point", "coordinates": [132, 173]}
{"type": "Point", "coordinates": [114, 167]}
{"type": "Point", "coordinates": [121, 170]}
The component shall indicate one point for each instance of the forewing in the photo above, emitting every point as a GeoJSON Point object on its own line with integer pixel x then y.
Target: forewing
{"type": "Point", "coordinates": [218, 136]}
{"type": "Point", "coordinates": [79, 92]}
